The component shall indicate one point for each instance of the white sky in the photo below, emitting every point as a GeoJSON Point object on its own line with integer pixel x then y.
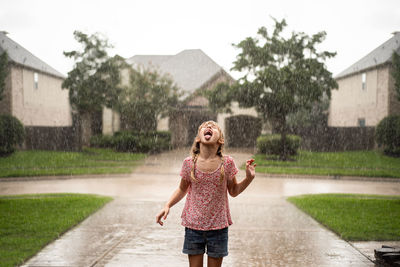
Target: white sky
{"type": "Point", "coordinates": [166, 27]}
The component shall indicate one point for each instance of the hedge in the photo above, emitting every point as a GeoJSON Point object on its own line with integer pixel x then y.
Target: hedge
{"type": "Point", "coordinates": [271, 144]}
{"type": "Point", "coordinates": [140, 142]}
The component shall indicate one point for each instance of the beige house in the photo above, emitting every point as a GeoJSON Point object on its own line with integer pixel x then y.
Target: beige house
{"type": "Point", "coordinates": [366, 89]}
{"type": "Point", "coordinates": [191, 70]}
{"type": "Point", "coordinates": [33, 91]}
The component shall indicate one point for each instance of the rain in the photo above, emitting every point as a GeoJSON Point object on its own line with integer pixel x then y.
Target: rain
{"type": "Point", "coordinates": [106, 100]}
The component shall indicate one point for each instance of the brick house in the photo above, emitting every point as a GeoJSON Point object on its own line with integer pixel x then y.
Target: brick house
{"type": "Point", "coordinates": [192, 70]}
{"type": "Point", "coordinates": [33, 94]}
{"type": "Point", "coordinates": [366, 89]}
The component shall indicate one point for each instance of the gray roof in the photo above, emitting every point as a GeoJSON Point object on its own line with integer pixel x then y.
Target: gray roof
{"type": "Point", "coordinates": [18, 54]}
{"type": "Point", "coordinates": [379, 56]}
{"type": "Point", "coordinates": [190, 69]}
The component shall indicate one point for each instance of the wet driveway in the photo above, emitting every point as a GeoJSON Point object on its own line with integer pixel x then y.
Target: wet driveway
{"type": "Point", "coordinates": [267, 230]}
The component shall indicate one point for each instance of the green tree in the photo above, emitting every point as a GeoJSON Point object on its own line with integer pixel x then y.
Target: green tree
{"type": "Point", "coordinates": [94, 82]}
{"type": "Point", "coordinates": [315, 117]}
{"type": "Point", "coordinates": [148, 96]}
{"type": "Point", "coordinates": [282, 76]}
{"type": "Point", "coordinates": [396, 73]}
{"type": "Point", "coordinates": [3, 72]}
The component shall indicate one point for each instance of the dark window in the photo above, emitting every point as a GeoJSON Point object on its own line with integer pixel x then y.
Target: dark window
{"type": "Point", "coordinates": [361, 122]}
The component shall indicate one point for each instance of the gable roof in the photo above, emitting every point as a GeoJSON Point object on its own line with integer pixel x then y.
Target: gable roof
{"type": "Point", "coordinates": [18, 54]}
{"type": "Point", "coordinates": [190, 69]}
{"type": "Point", "coordinates": [378, 56]}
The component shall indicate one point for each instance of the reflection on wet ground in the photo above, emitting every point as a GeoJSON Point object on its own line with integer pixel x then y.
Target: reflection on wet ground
{"type": "Point", "coordinates": [267, 230]}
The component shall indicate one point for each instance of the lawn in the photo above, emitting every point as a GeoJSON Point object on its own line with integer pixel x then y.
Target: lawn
{"type": "Point", "coordinates": [350, 163]}
{"type": "Point", "coordinates": [355, 217]}
{"type": "Point", "coordinates": [90, 161]}
{"type": "Point", "coordinates": [29, 222]}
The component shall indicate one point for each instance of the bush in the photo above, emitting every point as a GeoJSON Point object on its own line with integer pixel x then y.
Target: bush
{"type": "Point", "coordinates": [126, 142]}
{"type": "Point", "coordinates": [271, 144]}
{"type": "Point", "coordinates": [388, 135]}
{"type": "Point", "coordinates": [102, 141]}
{"type": "Point", "coordinates": [141, 142]}
{"type": "Point", "coordinates": [12, 133]}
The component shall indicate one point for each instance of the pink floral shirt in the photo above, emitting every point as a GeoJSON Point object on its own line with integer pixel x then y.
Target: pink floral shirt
{"type": "Point", "coordinates": [207, 206]}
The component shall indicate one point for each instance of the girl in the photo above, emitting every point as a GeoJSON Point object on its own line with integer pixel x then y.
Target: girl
{"type": "Point", "coordinates": [207, 176]}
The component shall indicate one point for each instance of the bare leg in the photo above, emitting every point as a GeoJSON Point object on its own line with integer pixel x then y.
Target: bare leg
{"type": "Point", "coordinates": [196, 260]}
{"type": "Point", "coordinates": [214, 262]}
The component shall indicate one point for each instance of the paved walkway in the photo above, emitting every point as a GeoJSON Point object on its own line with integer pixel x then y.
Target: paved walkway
{"type": "Point", "coordinates": [267, 230]}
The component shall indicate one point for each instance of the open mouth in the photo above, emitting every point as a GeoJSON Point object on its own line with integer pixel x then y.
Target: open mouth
{"type": "Point", "coordinates": [208, 134]}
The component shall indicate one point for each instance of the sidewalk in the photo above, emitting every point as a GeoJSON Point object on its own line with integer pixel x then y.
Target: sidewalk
{"type": "Point", "coordinates": [267, 230]}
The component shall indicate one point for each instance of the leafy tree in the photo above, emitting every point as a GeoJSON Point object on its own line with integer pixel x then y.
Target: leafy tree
{"type": "Point", "coordinates": [3, 72]}
{"type": "Point", "coordinates": [396, 73]}
{"type": "Point", "coordinates": [94, 82]}
{"type": "Point", "coordinates": [282, 76]}
{"type": "Point", "coordinates": [148, 96]}
{"type": "Point", "coordinates": [316, 116]}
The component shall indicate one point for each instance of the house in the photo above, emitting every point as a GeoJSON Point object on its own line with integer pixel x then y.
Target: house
{"type": "Point", "coordinates": [33, 94]}
{"type": "Point", "coordinates": [192, 71]}
{"type": "Point", "coordinates": [366, 91]}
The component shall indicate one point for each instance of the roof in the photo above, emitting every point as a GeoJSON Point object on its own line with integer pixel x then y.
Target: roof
{"type": "Point", "coordinates": [190, 69]}
{"type": "Point", "coordinates": [18, 54]}
{"type": "Point", "coordinates": [379, 56]}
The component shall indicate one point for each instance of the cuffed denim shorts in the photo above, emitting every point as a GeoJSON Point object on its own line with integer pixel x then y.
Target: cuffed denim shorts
{"type": "Point", "coordinates": [214, 242]}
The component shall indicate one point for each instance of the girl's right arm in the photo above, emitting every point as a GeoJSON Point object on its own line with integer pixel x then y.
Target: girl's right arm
{"type": "Point", "coordinates": [179, 193]}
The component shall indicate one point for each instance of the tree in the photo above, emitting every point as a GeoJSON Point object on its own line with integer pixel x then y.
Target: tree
{"type": "Point", "coordinates": [3, 72]}
{"type": "Point", "coordinates": [148, 96]}
{"type": "Point", "coordinates": [316, 116]}
{"type": "Point", "coordinates": [94, 82]}
{"type": "Point", "coordinates": [396, 73]}
{"type": "Point", "coordinates": [282, 75]}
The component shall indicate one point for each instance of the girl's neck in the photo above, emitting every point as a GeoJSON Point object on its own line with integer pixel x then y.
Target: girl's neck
{"type": "Point", "coordinates": [208, 151]}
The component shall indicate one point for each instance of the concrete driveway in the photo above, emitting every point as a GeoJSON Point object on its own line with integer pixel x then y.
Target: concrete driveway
{"type": "Point", "coordinates": [267, 230]}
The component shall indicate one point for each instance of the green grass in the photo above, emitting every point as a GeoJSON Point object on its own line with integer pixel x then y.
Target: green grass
{"type": "Point", "coordinates": [355, 217]}
{"type": "Point", "coordinates": [350, 163]}
{"type": "Point", "coordinates": [29, 222]}
{"type": "Point", "coordinates": [90, 161]}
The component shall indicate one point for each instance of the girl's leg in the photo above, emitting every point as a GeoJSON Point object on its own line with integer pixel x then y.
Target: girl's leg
{"type": "Point", "coordinates": [196, 260]}
{"type": "Point", "coordinates": [214, 262]}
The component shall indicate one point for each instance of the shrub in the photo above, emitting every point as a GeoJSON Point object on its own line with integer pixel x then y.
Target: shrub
{"type": "Point", "coordinates": [103, 141]}
{"type": "Point", "coordinates": [12, 133]}
{"type": "Point", "coordinates": [271, 144]}
{"type": "Point", "coordinates": [388, 134]}
{"type": "Point", "coordinates": [141, 142]}
{"type": "Point", "coordinates": [126, 142]}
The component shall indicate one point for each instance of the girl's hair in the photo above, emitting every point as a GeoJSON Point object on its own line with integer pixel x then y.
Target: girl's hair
{"type": "Point", "coordinates": [195, 151]}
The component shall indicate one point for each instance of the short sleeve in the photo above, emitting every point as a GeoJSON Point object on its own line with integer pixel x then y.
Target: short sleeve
{"type": "Point", "coordinates": [186, 169]}
{"type": "Point", "coordinates": [230, 168]}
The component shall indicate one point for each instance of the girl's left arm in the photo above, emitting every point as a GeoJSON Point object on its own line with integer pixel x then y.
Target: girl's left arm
{"type": "Point", "coordinates": [235, 188]}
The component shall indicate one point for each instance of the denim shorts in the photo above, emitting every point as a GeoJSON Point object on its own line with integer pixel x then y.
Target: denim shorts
{"type": "Point", "coordinates": [214, 242]}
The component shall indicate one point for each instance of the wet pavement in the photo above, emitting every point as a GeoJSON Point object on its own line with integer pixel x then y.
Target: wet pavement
{"type": "Point", "coordinates": [267, 230]}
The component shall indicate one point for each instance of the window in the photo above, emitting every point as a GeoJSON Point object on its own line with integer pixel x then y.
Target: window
{"type": "Point", "coordinates": [36, 80]}
{"type": "Point", "coordinates": [361, 122]}
{"type": "Point", "coordinates": [364, 81]}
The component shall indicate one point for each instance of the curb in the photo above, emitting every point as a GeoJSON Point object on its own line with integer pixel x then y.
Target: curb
{"type": "Point", "coordinates": [64, 177]}
{"type": "Point", "coordinates": [330, 177]}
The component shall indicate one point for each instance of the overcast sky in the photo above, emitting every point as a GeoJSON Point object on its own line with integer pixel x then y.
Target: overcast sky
{"type": "Point", "coordinates": [166, 27]}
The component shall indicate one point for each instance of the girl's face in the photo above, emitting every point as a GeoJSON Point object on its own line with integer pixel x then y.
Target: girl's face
{"type": "Point", "coordinates": [209, 133]}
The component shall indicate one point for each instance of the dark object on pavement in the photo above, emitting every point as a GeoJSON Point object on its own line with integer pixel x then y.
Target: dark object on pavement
{"type": "Point", "coordinates": [387, 256]}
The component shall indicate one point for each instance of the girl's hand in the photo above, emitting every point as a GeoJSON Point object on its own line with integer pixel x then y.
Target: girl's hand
{"type": "Point", "coordinates": [162, 214]}
{"type": "Point", "coordinates": [250, 169]}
